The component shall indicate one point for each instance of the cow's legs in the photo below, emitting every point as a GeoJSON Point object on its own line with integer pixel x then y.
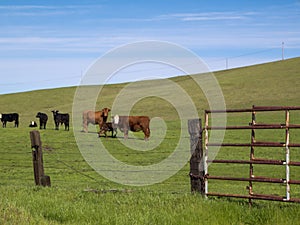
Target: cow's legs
{"type": "Point", "coordinates": [85, 126]}
{"type": "Point", "coordinates": [101, 130]}
{"type": "Point", "coordinates": [125, 133]}
{"type": "Point", "coordinates": [112, 132]}
{"type": "Point", "coordinates": [147, 133]}
{"type": "Point", "coordinates": [67, 126]}
{"type": "Point", "coordinates": [56, 126]}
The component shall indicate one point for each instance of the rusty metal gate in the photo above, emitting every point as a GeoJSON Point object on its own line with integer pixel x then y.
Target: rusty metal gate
{"type": "Point", "coordinates": [253, 143]}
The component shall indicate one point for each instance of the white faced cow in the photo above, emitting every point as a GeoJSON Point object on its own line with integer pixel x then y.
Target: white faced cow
{"type": "Point", "coordinates": [132, 123]}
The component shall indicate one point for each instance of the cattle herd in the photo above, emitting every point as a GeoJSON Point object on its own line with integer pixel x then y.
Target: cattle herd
{"type": "Point", "coordinates": [59, 118]}
{"type": "Point", "coordinates": [123, 123]}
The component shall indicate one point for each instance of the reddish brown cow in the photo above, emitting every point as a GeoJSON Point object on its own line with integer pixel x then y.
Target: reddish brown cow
{"type": "Point", "coordinates": [133, 123]}
{"type": "Point", "coordinates": [98, 117]}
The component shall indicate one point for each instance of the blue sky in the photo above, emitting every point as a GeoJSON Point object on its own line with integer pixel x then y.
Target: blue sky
{"type": "Point", "coordinates": [46, 44]}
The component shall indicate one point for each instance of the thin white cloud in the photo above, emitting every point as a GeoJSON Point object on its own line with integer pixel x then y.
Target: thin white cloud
{"type": "Point", "coordinates": [62, 45]}
{"type": "Point", "coordinates": [33, 40]}
{"type": "Point", "coordinates": [25, 7]}
{"type": "Point", "coordinates": [207, 16]}
{"type": "Point", "coordinates": [203, 18]}
{"type": "Point", "coordinates": [45, 10]}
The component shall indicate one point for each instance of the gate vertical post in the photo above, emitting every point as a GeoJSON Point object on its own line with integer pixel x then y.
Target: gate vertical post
{"type": "Point", "coordinates": [206, 151]}
{"type": "Point", "coordinates": [287, 154]}
{"type": "Point", "coordinates": [196, 160]}
{"type": "Point", "coordinates": [37, 158]}
{"type": "Point", "coordinates": [251, 169]}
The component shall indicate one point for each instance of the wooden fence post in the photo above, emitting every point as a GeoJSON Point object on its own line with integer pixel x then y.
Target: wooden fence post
{"type": "Point", "coordinates": [196, 161]}
{"type": "Point", "coordinates": [37, 158]}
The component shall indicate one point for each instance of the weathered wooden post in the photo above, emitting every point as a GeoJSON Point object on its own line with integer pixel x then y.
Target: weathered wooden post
{"type": "Point", "coordinates": [37, 158]}
{"type": "Point", "coordinates": [196, 164]}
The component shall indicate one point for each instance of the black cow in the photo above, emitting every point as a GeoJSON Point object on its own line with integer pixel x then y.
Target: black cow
{"type": "Point", "coordinates": [10, 117]}
{"type": "Point", "coordinates": [61, 118]}
{"type": "Point", "coordinates": [43, 119]}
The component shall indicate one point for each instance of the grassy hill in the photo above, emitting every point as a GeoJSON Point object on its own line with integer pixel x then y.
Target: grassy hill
{"type": "Point", "coordinates": [275, 83]}
{"type": "Point", "coordinates": [79, 195]}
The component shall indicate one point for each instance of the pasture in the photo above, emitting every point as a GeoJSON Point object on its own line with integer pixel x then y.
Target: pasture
{"type": "Point", "coordinates": [79, 195]}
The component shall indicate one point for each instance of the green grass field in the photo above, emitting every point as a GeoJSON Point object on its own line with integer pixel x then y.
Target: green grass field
{"type": "Point", "coordinates": [79, 195]}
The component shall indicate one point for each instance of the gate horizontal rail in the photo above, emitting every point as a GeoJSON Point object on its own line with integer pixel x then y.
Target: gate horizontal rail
{"type": "Point", "coordinates": [255, 144]}
{"type": "Point", "coordinates": [251, 127]}
{"type": "Point", "coordinates": [255, 161]}
{"type": "Point", "coordinates": [256, 109]}
{"type": "Point", "coordinates": [256, 196]}
{"type": "Point", "coordinates": [256, 179]}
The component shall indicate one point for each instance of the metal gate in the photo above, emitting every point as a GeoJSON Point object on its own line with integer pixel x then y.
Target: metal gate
{"type": "Point", "coordinates": [252, 144]}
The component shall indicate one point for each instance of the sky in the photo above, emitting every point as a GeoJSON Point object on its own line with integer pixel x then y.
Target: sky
{"type": "Point", "coordinates": [51, 43]}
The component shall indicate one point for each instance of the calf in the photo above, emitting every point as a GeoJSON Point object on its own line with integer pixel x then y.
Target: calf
{"type": "Point", "coordinates": [61, 118]}
{"type": "Point", "coordinates": [43, 119]}
{"type": "Point", "coordinates": [32, 124]}
{"type": "Point", "coordinates": [10, 117]}
{"type": "Point", "coordinates": [108, 127]}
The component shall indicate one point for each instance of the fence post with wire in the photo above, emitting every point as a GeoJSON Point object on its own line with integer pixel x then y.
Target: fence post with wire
{"type": "Point", "coordinates": [196, 160]}
{"type": "Point", "coordinates": [37, 158]}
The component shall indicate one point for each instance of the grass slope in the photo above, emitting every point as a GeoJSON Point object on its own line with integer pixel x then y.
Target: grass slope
{"type": "Point", "coordinates": [79, 195]}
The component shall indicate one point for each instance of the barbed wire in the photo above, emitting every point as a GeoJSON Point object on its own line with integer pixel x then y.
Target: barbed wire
{"type": "Point", "coordinates": [61, 162]}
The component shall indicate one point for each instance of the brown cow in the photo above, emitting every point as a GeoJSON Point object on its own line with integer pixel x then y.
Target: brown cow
{"type": "Point", "coordinates": [98, 117]}
{"type": "Point", "coordinates": [133, 123]}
